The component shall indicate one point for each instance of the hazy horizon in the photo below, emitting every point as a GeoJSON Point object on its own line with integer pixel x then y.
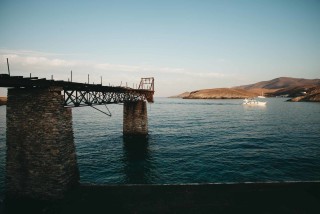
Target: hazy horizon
{"type": "Point", "coordinates": [184, 45]}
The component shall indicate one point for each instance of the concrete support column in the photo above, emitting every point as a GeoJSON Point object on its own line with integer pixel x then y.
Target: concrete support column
{"type": "Point", "coordinates": [41, 157]}
{"type": "Point", "coordinates": [135, 118]}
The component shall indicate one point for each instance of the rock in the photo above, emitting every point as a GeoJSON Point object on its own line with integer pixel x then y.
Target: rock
{"type": "Point", "coordinates": [296, 99]}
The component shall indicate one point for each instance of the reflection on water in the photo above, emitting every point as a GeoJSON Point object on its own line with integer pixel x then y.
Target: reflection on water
{"type": "Point", "coordinates": [137, 160]}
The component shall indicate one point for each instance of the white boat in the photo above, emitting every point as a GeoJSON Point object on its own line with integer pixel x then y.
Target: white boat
{"type": "Point", "coordinates": [253, 102]}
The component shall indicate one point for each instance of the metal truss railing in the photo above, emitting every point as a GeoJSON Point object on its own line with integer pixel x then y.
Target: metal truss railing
{"type": "Point", "coordinates": [82, 94]}
{"type": "Point", "coordinates": [75, 98]}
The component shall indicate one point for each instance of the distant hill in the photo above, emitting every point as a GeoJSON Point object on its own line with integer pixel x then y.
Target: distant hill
{"type": "Point", "coordinates": [221, 93]}
{"type": "Point", "coordinates": [282, 86]}
{"type": "Point", "coordinates": [184, 94]}
{"type": "Point", "coordinates": [281, 82]}
{"type": "Point", "coordinates": [293, 91]}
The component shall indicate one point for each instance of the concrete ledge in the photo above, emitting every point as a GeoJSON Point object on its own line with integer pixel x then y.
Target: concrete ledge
{"type": "Point", "coordinates": [289, 197]}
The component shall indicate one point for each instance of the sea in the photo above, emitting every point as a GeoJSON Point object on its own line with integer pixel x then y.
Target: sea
{"type": "Point", "coordinates": [196, 141]}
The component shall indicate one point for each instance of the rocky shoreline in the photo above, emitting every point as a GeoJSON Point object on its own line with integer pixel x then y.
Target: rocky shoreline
{"type": "Point", "coordinates": [312, 95]}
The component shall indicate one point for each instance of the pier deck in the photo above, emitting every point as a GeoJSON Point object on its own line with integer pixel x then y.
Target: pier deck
{"type": "Point", "coordinates": [84, 94]}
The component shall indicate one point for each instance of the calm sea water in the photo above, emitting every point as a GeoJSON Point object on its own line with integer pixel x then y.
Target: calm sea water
{"type": "Point", "coordinates": [197, 141]}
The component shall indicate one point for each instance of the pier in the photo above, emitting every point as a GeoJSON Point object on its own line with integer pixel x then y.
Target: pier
{"type": "Point", "coordinates": [41, 160]}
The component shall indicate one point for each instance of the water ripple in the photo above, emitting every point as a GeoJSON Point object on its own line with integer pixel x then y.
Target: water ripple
{"type": "Point", "coordinates": [198, 141]}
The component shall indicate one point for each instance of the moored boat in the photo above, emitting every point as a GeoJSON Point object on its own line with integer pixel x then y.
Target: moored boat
{"type": "Point", "coordinates": [253, 102]}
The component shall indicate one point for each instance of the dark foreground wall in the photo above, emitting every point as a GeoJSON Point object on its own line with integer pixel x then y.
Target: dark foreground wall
{"type": "Point", "coordinates": [135, 118]}
{"type": "Point", "coordinates": [204, 198]}
{"type": "Point", "coordinates": [41, 157]}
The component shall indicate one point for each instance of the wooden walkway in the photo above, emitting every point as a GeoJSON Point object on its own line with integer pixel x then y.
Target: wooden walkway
{"type": "Point", "coordinates": [83, 94]}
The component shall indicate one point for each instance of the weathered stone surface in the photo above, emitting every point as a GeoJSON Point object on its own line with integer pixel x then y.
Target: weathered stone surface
{"type": "Point", "coordinates": [41, 156]}
{"type": "Point", "coordinates": [135, 118]}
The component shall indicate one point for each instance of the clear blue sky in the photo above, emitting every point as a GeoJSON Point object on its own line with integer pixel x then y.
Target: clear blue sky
{"type": "Point", "coordinates": [185, 45]}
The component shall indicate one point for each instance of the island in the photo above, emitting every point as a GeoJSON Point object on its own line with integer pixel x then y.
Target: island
{"type": "Point", "coordinates": [298, 89]}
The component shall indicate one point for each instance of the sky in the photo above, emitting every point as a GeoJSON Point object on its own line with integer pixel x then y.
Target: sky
{"type": "Point", "coordinates": [185, 45]}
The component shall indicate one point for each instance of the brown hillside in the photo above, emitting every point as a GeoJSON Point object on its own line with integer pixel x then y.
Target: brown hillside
{"type": "Point", "coordinates": [221, 93]}
{"type": "Point", "coordinates": [294, 91]}
{"type": "Point", "coordinates": [287, 86]}
{"type": "Point", "coordinates": [185, 94]}
{"type": "Point", "coordinates": [263, 91]}
{"type": "Point", "coordinates": [281, 82]}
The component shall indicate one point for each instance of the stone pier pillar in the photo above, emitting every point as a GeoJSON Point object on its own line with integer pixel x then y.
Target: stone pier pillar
{"type": "Point", "coordinates": [41, 157]}
{"type": "Point", "coordinates": [135, 118]}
